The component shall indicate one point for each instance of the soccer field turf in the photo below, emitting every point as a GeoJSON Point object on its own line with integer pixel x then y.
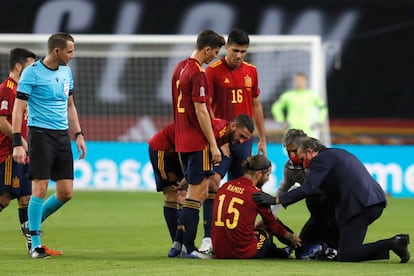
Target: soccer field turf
{"type": "Point", "coordinates": [124, 233]}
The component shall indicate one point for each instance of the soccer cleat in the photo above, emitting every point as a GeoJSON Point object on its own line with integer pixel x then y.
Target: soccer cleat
{"type": "Point", "coordinates": [24, 227]}
{"type": "Point", "coordinates": [39, 253]}
{"type": "Point", "coordinates": [195, 255]}
{"type": "Point", "coordinates": [399, 244]}
{"type": "Point", "coordinates": [328, 254]}
{"type": "Point", "coordinates": [174, 252]}
{"type": "Point", "coordinates": [26, 233]}
{"type": "Point", "coordinates": [52, 252]}
{"type": "Point", "coordinates": [206, 246]}
{"type": "Point", "coordinates": [308, 251]}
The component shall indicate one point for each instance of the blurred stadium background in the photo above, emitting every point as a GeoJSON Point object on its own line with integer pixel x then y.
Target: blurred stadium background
{"type": "Point", "coordinates": [123, 82]}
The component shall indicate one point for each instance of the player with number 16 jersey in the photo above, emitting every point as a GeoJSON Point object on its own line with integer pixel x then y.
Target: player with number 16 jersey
{"type": "Point", "coordinates": [232, 89]}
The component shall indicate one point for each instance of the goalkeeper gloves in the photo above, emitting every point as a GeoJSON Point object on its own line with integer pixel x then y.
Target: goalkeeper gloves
{"type": "Point", "coordinates": [264, 198]}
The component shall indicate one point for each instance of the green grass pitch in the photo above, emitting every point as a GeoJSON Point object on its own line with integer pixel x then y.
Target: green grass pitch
{"type": "Point", "coordinates": [124, 233]}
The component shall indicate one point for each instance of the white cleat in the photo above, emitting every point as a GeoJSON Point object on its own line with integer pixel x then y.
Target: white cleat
{"type": "Point", "coordinates": [206, 246]}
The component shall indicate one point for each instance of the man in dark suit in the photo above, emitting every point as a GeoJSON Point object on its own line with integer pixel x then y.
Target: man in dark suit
{"type": "Point", "coordinates": [359, 200]}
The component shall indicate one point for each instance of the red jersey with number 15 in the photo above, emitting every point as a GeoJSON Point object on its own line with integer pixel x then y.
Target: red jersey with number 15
{"type": "Point", "coordinates": [232, 90]}
{"type": "Point", "coordinates": [7, 98]}
{"type": "Point", "coordinates": [190, 88]}
{"type": "Point", "coordinates": [234, 217]}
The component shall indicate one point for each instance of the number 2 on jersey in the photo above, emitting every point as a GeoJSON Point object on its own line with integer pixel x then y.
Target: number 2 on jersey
{"type": "Point", "coordinates": [179, 98]}
{"type": "Point", "coordinates": [231, 209]}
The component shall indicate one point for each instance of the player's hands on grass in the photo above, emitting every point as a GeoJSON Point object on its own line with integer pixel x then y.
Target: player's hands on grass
{"type": "Point", "coordinates": [293, 239]}
{"type": "Point", "coordinates": [264, 198]}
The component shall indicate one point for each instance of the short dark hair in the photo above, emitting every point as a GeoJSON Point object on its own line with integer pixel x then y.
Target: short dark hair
{"type": "Point", "coordinates": [301, 74]}
{"type": "Point", "coordinates": [58, 40]}
{"type": "Point", "coordinates": [19, 55]}
{"type": "Point", "coordinates": [292, 135]}
{"type": "Point", "coordinates": [238, 36]}
{"type": "Point", "coordinates": [209, 38]}
{"type": "Point", "coordinates": [244, 120]}
{"type": "Point", "coordinates": [314, 144]}
{"type": "Point", "coordinates": [256, 163]}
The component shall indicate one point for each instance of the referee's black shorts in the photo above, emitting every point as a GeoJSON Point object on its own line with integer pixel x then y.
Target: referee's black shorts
{"type": "Point", "coordinates": [50, 154]}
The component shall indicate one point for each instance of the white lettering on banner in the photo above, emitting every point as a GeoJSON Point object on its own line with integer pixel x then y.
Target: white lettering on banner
{"type": "Point", "coordinates": [130, 175]}
{"type": "Point", "coordinates": [148, 177]}
{"type": "Point", "coordinates": [106, 175]}
{"type": "Point", "coordinates": [409, 178]}
{"type": "Point", "coordinates": [383, 172]}
{"type": "Point", "coordinates": [83, 173]}
{"type": "Point", "coordinates": [51, 14]}
{"type": "Point", "coordinates": [109, 90]}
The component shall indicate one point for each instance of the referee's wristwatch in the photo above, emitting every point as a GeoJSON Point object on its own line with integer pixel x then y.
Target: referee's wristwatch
{"type": "Point", "coordinates": [79, 133]}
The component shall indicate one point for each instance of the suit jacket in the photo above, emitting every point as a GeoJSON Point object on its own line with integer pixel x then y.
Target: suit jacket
{"type": "Point", "coordinates": [344, 178]}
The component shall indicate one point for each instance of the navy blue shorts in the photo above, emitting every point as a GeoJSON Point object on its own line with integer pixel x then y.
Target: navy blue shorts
{"type": "Point", "coordinates": [165, 164]}
{"type": "Point", "coordinates": [50, 154]}
{"type": "Point", "coordinates": [14, 178]}
{"type": "Point", "coordinates": [197, 165]}
{"type": "Point", "coordinates": [263, 243]}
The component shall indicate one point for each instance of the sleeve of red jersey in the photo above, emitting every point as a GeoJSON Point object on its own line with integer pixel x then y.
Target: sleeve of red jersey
{"type": "Point", "coordinates": [210, 81]}
{"type": "Point", "coordinates": [6, 102]}
{"type": "Point", "coordinates": [199, 87]}
{"type": "Point", "coordinates": [256, 89]}
{"type": "Point", "coordinates": [272, 224]}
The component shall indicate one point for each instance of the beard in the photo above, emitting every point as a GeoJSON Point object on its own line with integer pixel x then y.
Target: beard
{"type": "Point", "coordinates": [260, 183]}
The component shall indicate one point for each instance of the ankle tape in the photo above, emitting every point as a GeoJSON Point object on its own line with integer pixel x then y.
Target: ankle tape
{"type": "Point", "coordinates": [35, 233]}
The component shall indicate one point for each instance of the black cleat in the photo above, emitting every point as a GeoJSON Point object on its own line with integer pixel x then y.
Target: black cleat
{"type": "Point", "coordinates": [24, 227]}
{"type": "Point", "coordinates": [399, 244]}
{"type": "Point", "coordinates": [26, 233]}
{"type": "Point", "coordinates": [39, 253]}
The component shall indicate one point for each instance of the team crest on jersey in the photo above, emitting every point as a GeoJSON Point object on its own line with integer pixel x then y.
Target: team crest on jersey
{"type": "Point", "coordinates": [248, 81]}
{"type": "Point", "coordinates": [4, 105]}
{"type": "Point", "coordinates": [226, 80]}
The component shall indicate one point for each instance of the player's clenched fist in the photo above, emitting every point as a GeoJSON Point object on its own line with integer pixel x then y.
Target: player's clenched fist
{"type": "Point", "coordinates": [19, 154]}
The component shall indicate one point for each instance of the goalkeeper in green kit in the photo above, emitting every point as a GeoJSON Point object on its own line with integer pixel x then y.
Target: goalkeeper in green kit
{"type": "Point", "coordinates": [297, 107]}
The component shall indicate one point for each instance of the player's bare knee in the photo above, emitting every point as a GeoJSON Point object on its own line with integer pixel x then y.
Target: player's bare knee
{"type": "Point", "coordinates": [64, 196]}
{"type": "Point", "coordinates": [214, 182]}
{"type": "Point", "coordinates": [170, 195]}
{"type": "Point", "coordinates": [23, 201]}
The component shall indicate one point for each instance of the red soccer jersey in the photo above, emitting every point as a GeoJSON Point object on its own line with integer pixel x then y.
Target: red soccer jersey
{"type": "Point", "coordinates": [190, 86]}
{"type": "Point", "coordinates": [219, 129]}
{"type": "Point", "coordinates": [7, 98]}
{"type": "Point", "coordinates": [164, 139]}
{"type": "Point", "coordinates": [232, 90]}
{"type": "Point", "coordinates": [234, 217]}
